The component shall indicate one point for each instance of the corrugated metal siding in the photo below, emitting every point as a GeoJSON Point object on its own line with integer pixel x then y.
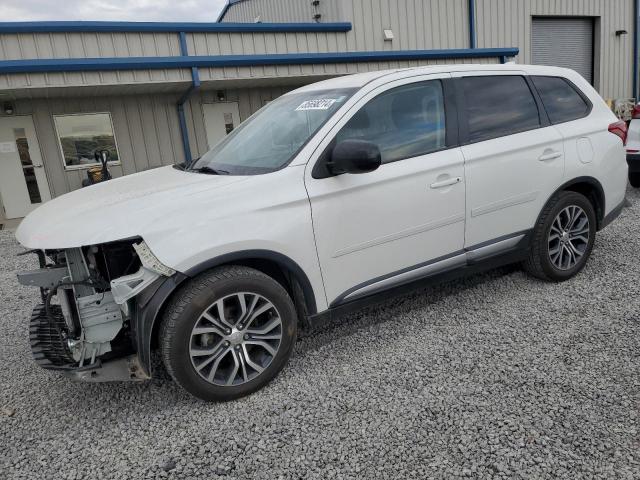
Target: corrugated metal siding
{"type": "Point", "coordinates": [320, 70]}
{"type": "Point", "coordinates": [285, 11]}
{"type": "Point", "coordinates": [416, 24]}
{"type": "Point", "coordinates": [563, 42]}
{"type": "Point", "coordinates": [89, 45]}
{"type": "Point", "coordinates": [508, 22]}
{"type": "Point", "coordinates": [146, 130]}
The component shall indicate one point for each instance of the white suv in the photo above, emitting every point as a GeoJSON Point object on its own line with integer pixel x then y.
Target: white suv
{"type": "Point", "coordinates": [327, 197]}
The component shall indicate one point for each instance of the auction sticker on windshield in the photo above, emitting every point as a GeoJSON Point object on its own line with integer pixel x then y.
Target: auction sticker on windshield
{"type": "Point", "coordinates": [319, 104]}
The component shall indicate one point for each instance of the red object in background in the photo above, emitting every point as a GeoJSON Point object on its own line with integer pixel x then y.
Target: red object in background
{"type": "Point", "coordinates": [620, 129]}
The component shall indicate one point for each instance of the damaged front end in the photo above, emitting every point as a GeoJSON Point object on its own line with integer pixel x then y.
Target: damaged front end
{"type": "Point", "coordinates": [86, 323]}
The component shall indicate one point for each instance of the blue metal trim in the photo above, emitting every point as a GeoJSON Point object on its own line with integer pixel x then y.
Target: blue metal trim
{"type": "Point", "coordinates": [472, 24]}
{"type": "Point", "coordinates": [140, 63]}
{"type": "Point", "coordinates": [64, 27]}
{"type": "Point", "coordinates": [636, 48]}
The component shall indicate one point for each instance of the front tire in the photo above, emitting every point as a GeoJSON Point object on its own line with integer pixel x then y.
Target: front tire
{"type": "Point", "coordinates": [227, 333]}
{"type": "Point", "coordinates": [634, 180]}
{"type": "Point", "coordinates": [563, 238]}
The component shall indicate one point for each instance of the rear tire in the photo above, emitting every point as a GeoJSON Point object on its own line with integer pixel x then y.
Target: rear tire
{"type": "Point", "coordinates": [563, 238]}
{"type": "Point", "coordinates": [227, 333]}
{"type": "Point", "coordinates": [634, 180]}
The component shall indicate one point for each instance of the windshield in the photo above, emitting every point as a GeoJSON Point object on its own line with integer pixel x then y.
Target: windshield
{"type": "Point", "coordinates": [270, 138]}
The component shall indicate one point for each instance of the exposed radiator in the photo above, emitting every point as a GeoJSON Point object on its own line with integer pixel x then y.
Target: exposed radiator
{"type": "Point", "coordinates": [48, 347]}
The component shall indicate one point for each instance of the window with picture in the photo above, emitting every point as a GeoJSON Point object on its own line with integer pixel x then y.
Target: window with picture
{"type": "Point", "coordinates": [82, 135]}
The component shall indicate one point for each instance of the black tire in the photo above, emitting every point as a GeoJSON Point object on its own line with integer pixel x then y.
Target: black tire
{"type": "Point", "coordinates": [199, 295]}
{"type": "Point", "coordinates": [634, 180]}
{"type": "Point", "coordinates": [539, 263]}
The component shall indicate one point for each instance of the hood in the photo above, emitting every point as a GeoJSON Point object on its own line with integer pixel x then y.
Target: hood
{"type": "Point", "coordinates": [121, 208]}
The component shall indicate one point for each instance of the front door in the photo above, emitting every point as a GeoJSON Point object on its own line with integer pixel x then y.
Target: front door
{"type": "Point", "coordinates": [219, 120]}
{"type": "Point", "coordinates": [405, 219]}
{"type": "Point", "coordinates": [23, 182]}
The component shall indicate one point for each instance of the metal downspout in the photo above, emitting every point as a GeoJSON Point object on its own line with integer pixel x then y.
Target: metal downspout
{"type": "Point", "coordinates": [195, 85]}
{"type": "Point", "coordinates": [472, 23]}
{"type": "Point", "coordinates": [636, 28]}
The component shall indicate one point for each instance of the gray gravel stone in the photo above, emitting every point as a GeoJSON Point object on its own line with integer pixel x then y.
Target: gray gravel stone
{"type": "Point", "coordinates": [494, 376]}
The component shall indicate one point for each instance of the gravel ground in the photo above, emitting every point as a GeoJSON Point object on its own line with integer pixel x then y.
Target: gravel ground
{"type": "Point", "coordinates": [498, 375]}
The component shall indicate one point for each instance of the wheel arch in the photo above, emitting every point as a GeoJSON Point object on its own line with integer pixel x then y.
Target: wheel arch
{"type": "Point", "coordinates": [150, 307]}
{"type": "Point", "coordinates": [591, 188]}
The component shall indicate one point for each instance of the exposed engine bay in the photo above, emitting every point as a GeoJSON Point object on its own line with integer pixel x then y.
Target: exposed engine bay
{"type": "Point", "coordinates": [83, 325]}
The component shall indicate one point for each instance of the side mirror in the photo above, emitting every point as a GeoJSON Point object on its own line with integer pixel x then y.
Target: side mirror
{"type": "Point", "coordinates": [354, 156]}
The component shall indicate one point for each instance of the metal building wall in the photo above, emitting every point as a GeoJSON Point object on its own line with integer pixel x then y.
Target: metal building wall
{"type": "Point", "coordinates": [444, 24]}
{"type": "Point", "coordinates": [89, 45]}
{"type": "Point", "coordinates": [145, 126]}
{"type": "Point", "coordinates": [285, 11]}
{"type": "Point", "coordinates": [416, 24]}
{"type": "Point", "coordinates": [508, 22]}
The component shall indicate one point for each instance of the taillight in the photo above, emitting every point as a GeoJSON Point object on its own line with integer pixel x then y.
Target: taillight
{"type": "Point", "coordinates": [636, 112]}
{"type": "Point", "coordinates": [620, 129]}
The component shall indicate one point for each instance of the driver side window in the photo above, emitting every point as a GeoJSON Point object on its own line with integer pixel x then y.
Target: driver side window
{"type": "Point", "coordinates": [404, 122]}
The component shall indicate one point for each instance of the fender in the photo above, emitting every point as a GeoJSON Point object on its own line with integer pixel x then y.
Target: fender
{"type": "Point", "coordinates": [150, 302]}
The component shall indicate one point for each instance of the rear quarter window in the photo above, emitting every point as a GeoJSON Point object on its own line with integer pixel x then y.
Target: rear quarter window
{"type": "Point", "coordinates": [561, 100]}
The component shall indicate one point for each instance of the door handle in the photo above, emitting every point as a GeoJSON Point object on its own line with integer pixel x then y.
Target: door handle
{"type": "Point", "coordinates": [37, 166]}
{"type": "Point", "coordinates": [551, 155]}
{"type": "Point", "coordinates": [446, 183]}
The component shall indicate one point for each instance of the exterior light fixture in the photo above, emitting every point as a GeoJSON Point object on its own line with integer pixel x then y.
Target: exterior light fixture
{"type": "Point", "coordinates": [8, 108]}
{"type": "Point", "coordinates": [221, 96]}
{"type": "Point", "coordinates": [388, 35]}
{"type": "Point", "coordinates": [621, 32]}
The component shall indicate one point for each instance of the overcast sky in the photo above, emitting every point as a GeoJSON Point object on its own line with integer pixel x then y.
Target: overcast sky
{"type": "Point", "coordinates": [123, 10]}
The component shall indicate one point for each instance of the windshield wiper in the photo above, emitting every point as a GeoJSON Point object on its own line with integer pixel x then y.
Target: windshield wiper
{"type": "Point", "coordinates": [209, 171]}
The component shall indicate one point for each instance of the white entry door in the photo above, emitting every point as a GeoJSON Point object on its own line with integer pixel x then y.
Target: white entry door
{"type": "Point", "coordinates": [23, 182]}
{"type": "Point", "coordinates": [219, 120]}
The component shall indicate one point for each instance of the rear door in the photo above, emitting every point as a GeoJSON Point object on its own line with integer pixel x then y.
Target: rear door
{"type": "Point", "coordinates": [514, 159]}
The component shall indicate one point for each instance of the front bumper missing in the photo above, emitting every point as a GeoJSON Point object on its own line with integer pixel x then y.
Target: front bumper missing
{"type": "Point", "coordinates": [122, 369]}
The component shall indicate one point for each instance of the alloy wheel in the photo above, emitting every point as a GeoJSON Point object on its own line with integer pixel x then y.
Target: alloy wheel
{"type": "Point", "coordinates": [569, 237]}
{"type": "Point", "coordinates": [235, 339]}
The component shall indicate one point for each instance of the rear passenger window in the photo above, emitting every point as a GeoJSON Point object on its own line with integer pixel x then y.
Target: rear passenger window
{"type": "Point", "coordinates": [404, 122]}
{"type": "Point", "coordinates": [497, 106]}
{"type": "Point", "coordinates": [561, 101]}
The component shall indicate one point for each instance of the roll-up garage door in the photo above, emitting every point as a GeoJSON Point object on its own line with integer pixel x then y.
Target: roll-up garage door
{"type": "Point", "coordinates": [564, 42]}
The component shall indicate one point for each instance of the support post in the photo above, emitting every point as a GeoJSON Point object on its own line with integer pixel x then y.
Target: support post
{"type": "Point", "coordinates": [195, 85]}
